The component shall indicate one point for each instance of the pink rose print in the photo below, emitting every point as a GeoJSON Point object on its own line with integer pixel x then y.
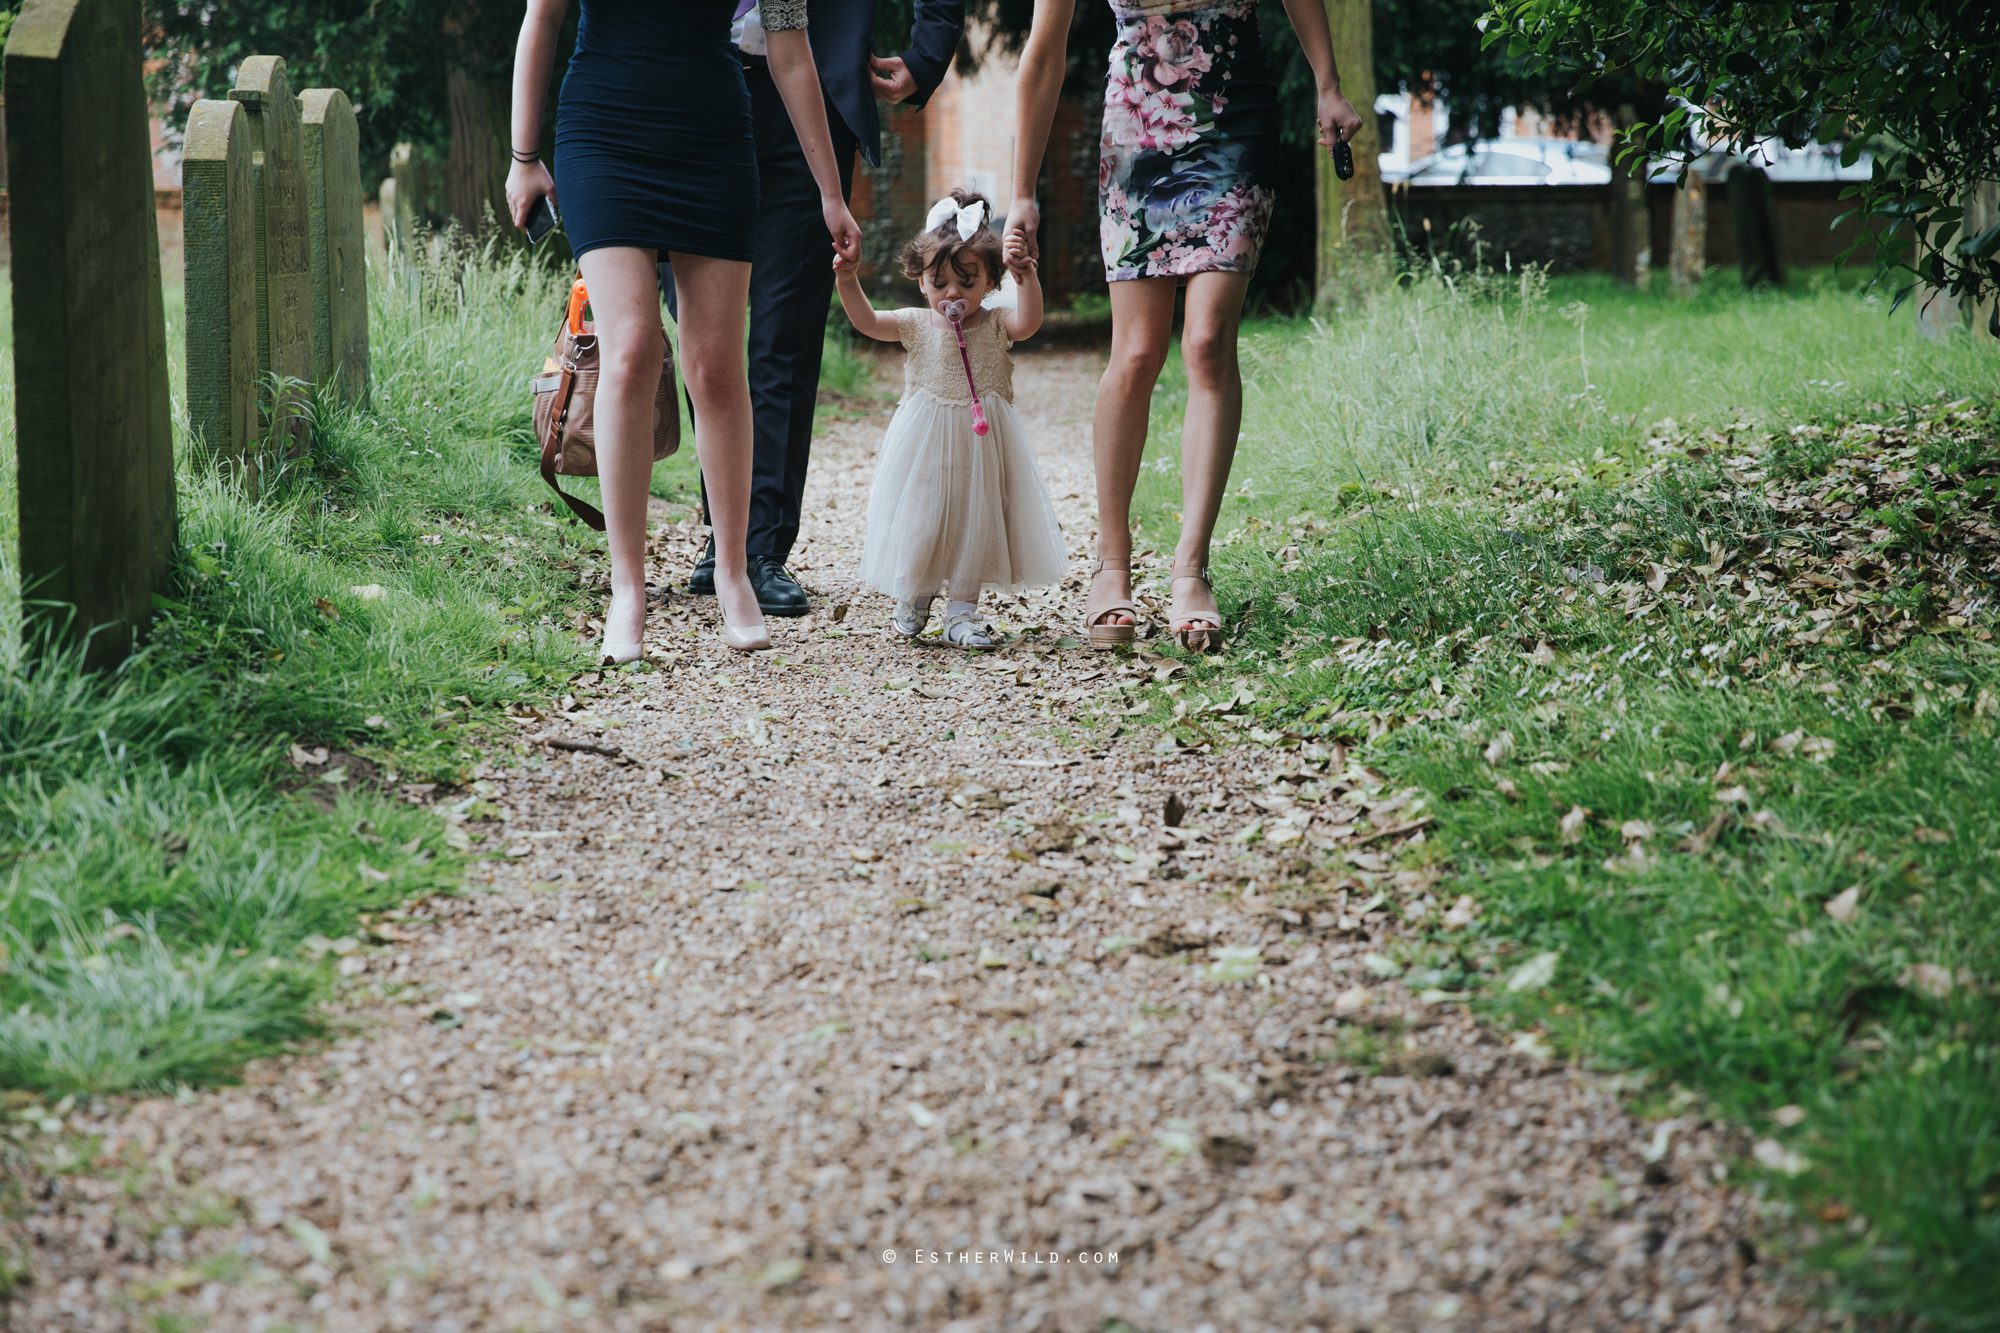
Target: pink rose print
{"type": "Point", "coordinates": [1170, 56]}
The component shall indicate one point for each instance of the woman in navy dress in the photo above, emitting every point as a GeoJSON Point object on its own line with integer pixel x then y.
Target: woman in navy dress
{"type": "Point", "coordinates": [655, 161]}
{"type": "Point", "coordinates": [1185, 182]}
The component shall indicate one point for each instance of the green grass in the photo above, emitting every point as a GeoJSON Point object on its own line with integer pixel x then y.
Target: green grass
{"type": "Point", "coordinates": [1444, 534]}
{"type": "Point", "coordinates": [162, 865]}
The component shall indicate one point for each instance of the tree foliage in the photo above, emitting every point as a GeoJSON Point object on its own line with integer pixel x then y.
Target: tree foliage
{"type": "Point", "coordinates": [1911, 80]}
{"type": "Point", "coordinates": [392, 58]}
{"type": "Point", "coordinates": [1439, 47]}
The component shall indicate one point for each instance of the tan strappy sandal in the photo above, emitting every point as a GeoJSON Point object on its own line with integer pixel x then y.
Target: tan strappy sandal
{"type": "Point", "coordinates": [1196, 631]}
{"type": "Point", "coordinates": [1103, 636]}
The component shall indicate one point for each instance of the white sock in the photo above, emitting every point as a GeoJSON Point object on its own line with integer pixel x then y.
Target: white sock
{"type": "Point", "coordinates": [958, 608]}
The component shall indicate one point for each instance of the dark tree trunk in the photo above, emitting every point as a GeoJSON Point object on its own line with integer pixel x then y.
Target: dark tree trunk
{"type": "Point", "coordinates": [476, 170]}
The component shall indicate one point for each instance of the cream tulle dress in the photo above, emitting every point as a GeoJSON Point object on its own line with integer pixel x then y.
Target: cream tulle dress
{"type": "Point", "coordinates": [950, 508]}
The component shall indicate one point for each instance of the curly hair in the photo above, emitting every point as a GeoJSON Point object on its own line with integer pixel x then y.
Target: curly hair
{"type": "Point", "coordinates": [932, 250]}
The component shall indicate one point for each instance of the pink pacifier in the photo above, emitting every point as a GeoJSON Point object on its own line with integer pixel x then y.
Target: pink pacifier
{"type": "Point", "coordinates": [955, 311]}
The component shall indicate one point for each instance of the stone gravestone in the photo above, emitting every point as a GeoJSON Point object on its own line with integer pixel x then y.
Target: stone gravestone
{"type": "Point", "coordinates": [1754, 215]}
{"type": "Point", "coordinates": [403, 170]}
{"type": "Point", "coordinates": [339, 258]}
{"type": "Point", "coordinates": [221, 259]}
{"type": "Point", "coordinates": [284, 256]}
{"type": "Point", "coordinates": [392, 240]}
{"type": "Point", "coordinates": [92, 426]}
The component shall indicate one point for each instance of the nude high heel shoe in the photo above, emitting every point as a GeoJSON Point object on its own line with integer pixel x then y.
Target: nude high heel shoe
{"type": "Point", "coordinates": [618, 654]}
{"type": "Point", "coordinates": [744, 640]}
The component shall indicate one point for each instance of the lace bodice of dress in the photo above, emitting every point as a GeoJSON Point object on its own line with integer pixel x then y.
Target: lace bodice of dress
{"type": "Point", "coordinates": [933, 364]}
{"type": "Point", "coordinates": [1126, 10]}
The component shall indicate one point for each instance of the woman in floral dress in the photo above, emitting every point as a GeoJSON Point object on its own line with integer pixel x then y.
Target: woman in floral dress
{"type": "Point", "coordinates": [1185, 187]}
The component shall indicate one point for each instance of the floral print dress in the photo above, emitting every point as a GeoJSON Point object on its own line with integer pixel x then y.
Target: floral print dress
{"type": "Point", "coordinates": [1184, 173]}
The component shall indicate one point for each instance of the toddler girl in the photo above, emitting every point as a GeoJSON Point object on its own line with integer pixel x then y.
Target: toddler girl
{"type": "Point", "coordinates": [953, 506]}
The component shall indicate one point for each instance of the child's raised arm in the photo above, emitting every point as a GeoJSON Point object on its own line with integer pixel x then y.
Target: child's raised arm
{"type": "Point", "coordinates": [864, 317]}
{"type": "Point", "coordinates": [1026, 316]}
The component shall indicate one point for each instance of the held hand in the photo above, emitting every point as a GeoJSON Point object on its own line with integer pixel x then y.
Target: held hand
{"type": "Point", "coordinates": [891, 79]}
{"type": "Point", "coordinates": [1019, 262]}
{"type": "Point", "coordinates": [527, 182]}
{"type": "Point", "coordinates": [1024, 219]}
{"type": "Point", "coordinates": [840, 225]}
{"type": "Point", "coordinates": [1338, 120]}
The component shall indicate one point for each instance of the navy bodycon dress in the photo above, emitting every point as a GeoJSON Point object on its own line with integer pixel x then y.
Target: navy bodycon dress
{"type": "Point", "coordinates": [653, 140]}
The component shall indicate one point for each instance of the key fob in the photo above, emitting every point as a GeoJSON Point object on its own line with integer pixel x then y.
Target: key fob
{"type": "Point", "coordinates": [1343, 160]}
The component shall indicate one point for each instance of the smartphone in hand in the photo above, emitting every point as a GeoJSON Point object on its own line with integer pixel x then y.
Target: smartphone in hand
{"type": "Point", "coordinates": [541, 220]}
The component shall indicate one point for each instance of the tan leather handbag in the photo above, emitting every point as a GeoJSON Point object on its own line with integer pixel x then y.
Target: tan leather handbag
{"type": "Point", "coordinates": [565, 397]}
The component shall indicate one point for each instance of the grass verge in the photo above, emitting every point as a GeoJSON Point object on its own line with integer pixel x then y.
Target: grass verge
{"type": "Point", "coordinates": [185, 842]}
{"type": "Point", "coordinates": [1681, 617]}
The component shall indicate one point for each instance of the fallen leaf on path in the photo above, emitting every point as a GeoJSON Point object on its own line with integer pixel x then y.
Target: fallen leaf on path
{"type": "Point", "coordinates": [1224, 1152]}
{"type": "Point", "coordinates": [1534, 974]}
{"type": "Point", "coordinates": [312, 1240]}
{"type": "Point", "coordinates": [1235, 962]}
{"type": "Point", "coordinates": [1777, 1157]}
{"type": "Point", "coordinates": [1928, 978]}
{"type": "Point", "coordinates": [1533, 1045]}
{"type": "Point", "coordinates": [1228, 1082]}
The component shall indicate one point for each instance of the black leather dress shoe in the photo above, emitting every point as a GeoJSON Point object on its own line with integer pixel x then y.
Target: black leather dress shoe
{"type": "Point", "coordinates": [701, 582]}
{"type": "Point", "coordinates": [778, 593]}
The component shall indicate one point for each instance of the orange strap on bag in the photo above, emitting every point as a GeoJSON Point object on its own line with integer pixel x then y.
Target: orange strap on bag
{"type": "Point", "coordinates": [565, 393]}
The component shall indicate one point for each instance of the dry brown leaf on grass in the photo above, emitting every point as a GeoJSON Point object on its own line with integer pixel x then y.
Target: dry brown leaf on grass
{"type": "Point", "coordinates": [1570, 826]}
{"type": "Point", "coordinates": [326, 608]}
{"type": "Point", "coordinates": [1932, 980]}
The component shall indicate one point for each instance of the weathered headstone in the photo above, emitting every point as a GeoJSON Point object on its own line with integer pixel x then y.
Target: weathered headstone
{"type": "Point", "coordinates": [392, 240]}
{"type": "Point", "coordinates": [1689, 256]}
{"type": "Point", "coordinates": [403, 170]}
{"type": "Point", "coordinates": [339, 259]}
{"type": "Point", "coordinates": [1754, 215]}
{"type": "Point", "coordinates": [284, 256]}
{"type": "Point", "coordinates": [221, 260]}
{"type": "Point", "coordinates": [93, 433]}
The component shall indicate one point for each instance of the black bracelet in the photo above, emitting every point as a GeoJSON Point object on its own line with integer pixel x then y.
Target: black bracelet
{"type": "Point", "coordinates": [519, 156]}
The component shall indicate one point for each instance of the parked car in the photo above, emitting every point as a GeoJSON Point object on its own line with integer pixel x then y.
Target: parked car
{"type": "Point", "coordinates": [1514, 162]}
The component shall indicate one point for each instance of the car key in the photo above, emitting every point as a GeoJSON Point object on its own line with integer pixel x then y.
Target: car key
{"type": "Point", "coordinates": [1343, 160]}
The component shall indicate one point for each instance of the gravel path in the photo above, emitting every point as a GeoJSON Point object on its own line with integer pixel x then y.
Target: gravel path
{"type": "Point", "coordinates": [872, 948]}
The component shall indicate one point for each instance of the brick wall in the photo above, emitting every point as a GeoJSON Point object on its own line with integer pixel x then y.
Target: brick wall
{"type": "Point", "coordinates": [889, 202]}
{"type": "Point", "coordinates": [1568, 227]}
{"type": "Point", "coordinates": [924, 155]}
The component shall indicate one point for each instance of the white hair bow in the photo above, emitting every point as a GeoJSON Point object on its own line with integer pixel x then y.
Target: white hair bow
{"type": "Point", "coordinates": [970, 218]}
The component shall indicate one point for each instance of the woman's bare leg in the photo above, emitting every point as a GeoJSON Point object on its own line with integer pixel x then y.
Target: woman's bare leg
{"type": "Point", "coordinates": [624, 287]}
{"type": "Point", "coordinates": [712, 296]}
{"type": "Point", "coordinates": [1142, 323]}
{"type": "Point", "coordinates": [1213, 421]}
